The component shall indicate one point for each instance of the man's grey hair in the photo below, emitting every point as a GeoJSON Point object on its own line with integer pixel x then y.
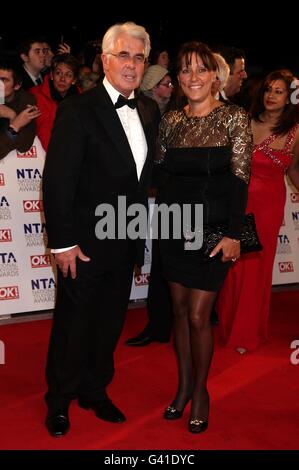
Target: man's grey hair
{"type": "Point", "coordinates": [130, 28]}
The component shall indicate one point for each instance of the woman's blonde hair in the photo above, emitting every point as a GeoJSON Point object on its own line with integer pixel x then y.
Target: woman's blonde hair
{"type": "Point", "coordinates": [222, 72]}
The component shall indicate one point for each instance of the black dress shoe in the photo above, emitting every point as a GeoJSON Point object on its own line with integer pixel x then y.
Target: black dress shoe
{"type": "Point", "coordinates": [172, 412]}
{"type": "Point", "coordinates": [143, 339]}
{"type": "Point", "coordinates": [105, 410]}
{"type": "Point", "coordinates": [197, 425]}
{"type": "Point", "coordinates": [58, 424]}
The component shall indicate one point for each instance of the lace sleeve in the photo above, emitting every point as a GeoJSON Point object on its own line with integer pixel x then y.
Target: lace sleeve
{"type": "Point", "coordinates": [165, 129]}
{"type": "Point", "coordinates": [241, 140]}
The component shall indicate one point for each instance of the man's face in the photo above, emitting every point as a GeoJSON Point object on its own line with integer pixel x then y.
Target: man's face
{"type": "Point", "coordinates": [6, 76]}
{"type": "Point", "coordinates": [48, 54]}
{"type": "Point", "coordinates": [124, 66]}
{"type": "Point", "coordinates": [235, 79]}
{"type": "Point", "coordinates": [36, 58]}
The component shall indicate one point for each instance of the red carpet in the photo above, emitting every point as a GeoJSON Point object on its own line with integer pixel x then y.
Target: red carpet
{"type": "Point", "coordinates": [254, 397]}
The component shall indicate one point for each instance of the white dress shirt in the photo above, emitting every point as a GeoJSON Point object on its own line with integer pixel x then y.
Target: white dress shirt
{"type": "Point", "coordinates": [132, 126]}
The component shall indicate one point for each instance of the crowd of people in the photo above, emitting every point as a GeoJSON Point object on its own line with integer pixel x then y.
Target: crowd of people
{"type": "Point", "coordinates": [121, 124]}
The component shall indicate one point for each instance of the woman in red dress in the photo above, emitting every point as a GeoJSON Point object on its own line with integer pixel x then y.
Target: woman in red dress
{"type": "Point", "coordinates": [244, 301]}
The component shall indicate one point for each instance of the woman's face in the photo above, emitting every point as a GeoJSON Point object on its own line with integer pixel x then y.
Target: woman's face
{"type": "Point", "coordinates": [163, 59]}
{"type": "Point", "coordinates": [164, 88]}
{"type": "Point", "coordinates": [63, 78]}
{"type": "Point", "coordinates": [195, 79]}
{"type": "Point", "coordinates": [276, 96]}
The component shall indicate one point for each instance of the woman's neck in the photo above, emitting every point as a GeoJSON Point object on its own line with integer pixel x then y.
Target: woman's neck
{"type": "Point", "coordinates": [200, 109]}
{"type": "Point", "coordinates": [270, 117]}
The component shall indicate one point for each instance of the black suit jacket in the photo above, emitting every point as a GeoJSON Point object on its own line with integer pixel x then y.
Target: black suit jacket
{"type": "Point", "coordinates": [27, 81]}
{"type": "Point", "coordinates": [89, 162]}
{"type": "Point", "coordinates": [27, 134]}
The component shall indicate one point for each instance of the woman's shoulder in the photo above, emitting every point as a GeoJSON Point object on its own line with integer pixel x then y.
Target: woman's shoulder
{"type": "Point", "coordinates": [296, 131]}
{"type": "Point", "coordinates": [172, 116]}
{"type": "Point", "coordinates": [236, 115]}
{"type": "Point", "coordinates": [293, 136]}
{"type": "Point", "coordinates": [235, 110]}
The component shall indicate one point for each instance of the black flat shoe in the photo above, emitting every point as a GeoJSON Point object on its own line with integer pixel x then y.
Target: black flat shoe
{"type": "Point", "coordinates": [58, 424]}
{"type": "Point", "coordinates": [105, 410]}
{"type": "Point", "coordinates": [197, 425]}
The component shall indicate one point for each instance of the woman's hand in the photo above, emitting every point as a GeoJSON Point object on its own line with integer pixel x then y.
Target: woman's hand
{"type": "Point", "coordinates": [230, 249]}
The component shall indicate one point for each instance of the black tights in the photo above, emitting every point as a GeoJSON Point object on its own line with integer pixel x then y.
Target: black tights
{"type": "Point", "coordinates": [193, 338]}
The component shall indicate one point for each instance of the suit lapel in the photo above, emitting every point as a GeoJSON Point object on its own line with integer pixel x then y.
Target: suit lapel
{"type": "Point", "coordinates": [110, 120]}
{"type": "Point", "coordinates": [145, 121]}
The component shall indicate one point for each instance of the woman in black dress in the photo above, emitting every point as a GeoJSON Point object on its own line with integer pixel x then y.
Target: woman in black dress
{"type": "Point", "coordinates": [205, 150]}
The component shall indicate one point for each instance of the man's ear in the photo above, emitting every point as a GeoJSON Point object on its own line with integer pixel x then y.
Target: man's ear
{"type": "Point", "coordinates": [17, 86]}
{"type": "Point", "coordinates": [105, 60]}
{"type": "Point", "coordinates": [24, 58]}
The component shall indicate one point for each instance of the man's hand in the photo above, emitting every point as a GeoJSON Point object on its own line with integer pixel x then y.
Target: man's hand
{"type": "Point", "coordinates": [64, 48]}
{"type": "Point", "coordinates": [6, 112]}
{"type": "Point", "coordinates": [24, 117]}
{"type": "Point", "coordinates": [67, 260]}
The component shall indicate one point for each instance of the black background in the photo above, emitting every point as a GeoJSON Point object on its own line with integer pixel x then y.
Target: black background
{"type": "Point", "coordinates": [270, 39]}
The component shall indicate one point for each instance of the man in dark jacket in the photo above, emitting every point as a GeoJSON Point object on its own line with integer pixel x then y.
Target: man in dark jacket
{"type": "Point", "coordinates": [101, 148]}
{"type": "Point", "coordinates": [17, 111]}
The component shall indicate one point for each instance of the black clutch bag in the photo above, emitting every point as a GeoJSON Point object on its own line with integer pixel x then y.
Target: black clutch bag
{"type": "Point", "coordinates": [249, 240]}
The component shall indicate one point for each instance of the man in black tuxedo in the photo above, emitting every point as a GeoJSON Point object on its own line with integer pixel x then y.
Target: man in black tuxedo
{"type": "Point", "coordinates": [102, 147]}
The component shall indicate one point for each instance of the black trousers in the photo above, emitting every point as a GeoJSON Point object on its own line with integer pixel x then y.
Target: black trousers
{"type": "Point", "coordinates": [88, 319]}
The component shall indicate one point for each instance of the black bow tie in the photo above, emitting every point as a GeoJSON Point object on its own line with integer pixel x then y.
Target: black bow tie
{"type": "Point", "coordinates": [122, 101]}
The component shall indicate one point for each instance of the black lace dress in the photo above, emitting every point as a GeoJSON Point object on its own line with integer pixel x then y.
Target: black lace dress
{"type": "Point", "coordinates": [207, 161]}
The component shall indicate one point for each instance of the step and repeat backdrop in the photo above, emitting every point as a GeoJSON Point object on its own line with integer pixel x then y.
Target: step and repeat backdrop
{"type": "Point", "coordinates": [27, 277]}
{"type": "Point", "coordinates": [286, 263]}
